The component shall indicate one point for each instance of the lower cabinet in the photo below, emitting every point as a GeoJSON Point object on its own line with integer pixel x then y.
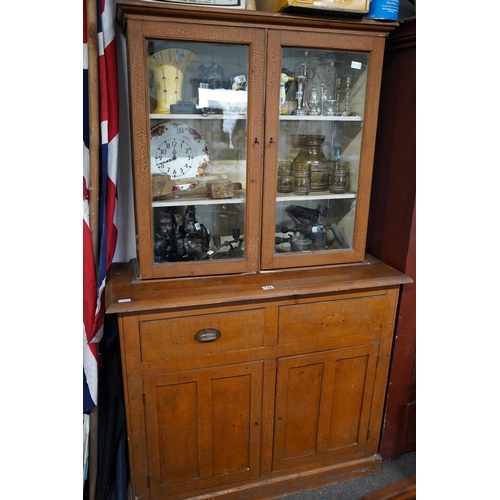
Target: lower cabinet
{"type": "Point", "coordinates": [245, 397]}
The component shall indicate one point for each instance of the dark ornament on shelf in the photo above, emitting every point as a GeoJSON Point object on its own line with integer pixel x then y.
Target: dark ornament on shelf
{"type": "Point", "coordinates": [213, 77]}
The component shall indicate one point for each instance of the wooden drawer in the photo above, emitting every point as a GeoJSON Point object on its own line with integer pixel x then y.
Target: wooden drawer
{"type": "Point", "coordinates": [175, 338]}
{"type": "Point", "coordinates": [333, 318]}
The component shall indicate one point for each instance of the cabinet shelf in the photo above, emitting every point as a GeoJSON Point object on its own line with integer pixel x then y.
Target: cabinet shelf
{"type": "Point", "coordinates": [243, 116]}
{"type": "Point", "coordinates": [320, 195]}
{"type": "Point", "coordinates": [197, 116]}
{"type": "Point", "coordinates": [321, 118]}
{"type": "Point", "coordinates": [199, 200]}
{"type": "Point", "coordinates": [240, 198]}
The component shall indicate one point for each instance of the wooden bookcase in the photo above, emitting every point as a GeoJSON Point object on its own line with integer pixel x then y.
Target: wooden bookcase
{"type": "Point", "coordinates": [263, 372]}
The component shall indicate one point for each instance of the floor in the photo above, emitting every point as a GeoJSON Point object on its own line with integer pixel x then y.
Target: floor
{"type": "Point", "coordinates": [392, 472]}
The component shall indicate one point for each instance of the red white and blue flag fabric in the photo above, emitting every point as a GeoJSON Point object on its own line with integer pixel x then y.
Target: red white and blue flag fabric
{"type": "Point", "coordinates": [94, 283]}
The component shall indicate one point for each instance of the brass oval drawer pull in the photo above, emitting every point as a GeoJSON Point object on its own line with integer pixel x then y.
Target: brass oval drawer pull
{"type": "Point", "coordinates": [207, 335]}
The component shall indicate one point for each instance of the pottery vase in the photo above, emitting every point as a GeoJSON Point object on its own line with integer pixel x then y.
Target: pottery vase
{"type": "Point", "coordinates": [168, 68]}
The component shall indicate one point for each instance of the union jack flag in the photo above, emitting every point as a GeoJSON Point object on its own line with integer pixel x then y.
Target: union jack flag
{"type": "Point", "coordinates": [94, 285]}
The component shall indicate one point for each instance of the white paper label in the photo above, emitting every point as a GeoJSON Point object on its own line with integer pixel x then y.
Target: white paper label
{"type": "Point", "coordinates": [355, 65]}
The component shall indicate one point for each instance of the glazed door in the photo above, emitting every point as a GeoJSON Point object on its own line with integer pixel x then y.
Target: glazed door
{"type": "Point", "coordinates": [203, 427]}
{"type": "Point", "coordinates": [321, 105]}
{"type": "Point", "coordinates": [323, 404]}
{"type": "Point", "coordinates": [196, 100]}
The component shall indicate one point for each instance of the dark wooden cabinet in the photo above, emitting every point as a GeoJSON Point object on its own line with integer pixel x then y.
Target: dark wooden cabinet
{"type": "Point", "coordinates": [392, 226]}
{"type": "Point", "coordinates": [256, 343]}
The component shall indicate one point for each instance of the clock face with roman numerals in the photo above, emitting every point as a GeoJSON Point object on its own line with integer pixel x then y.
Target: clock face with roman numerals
{"type": "Point", "coordinates": [179, 150]}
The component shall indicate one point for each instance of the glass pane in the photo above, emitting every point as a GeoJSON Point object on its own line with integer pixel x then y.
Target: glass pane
{"type": "Point", "coordinates": [198, 111]}
{"type": "Point", "coordinates": [322, 101]}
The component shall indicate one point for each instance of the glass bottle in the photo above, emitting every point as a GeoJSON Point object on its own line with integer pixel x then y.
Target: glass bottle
{"type": "Point", "coordinates": [310, 164]}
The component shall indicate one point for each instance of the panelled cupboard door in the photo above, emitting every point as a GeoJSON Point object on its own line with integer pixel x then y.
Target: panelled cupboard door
{"type": "Point", "coordinates": [203, 427]}
{"type": "Point", "coordinates": [323, 405]}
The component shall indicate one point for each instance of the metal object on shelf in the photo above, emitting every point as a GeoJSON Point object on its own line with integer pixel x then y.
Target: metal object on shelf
{"type": "Point", "coordinates": [301, 244]}
{"type": "Point", "coordinates": [338, 90]}
{"type": "Point", "coordinates": [183, 108]}
{"type": "Point", "coordinates": [329, 109]}
{"type": "Point", "coordinates": [235, 250]}
{"type": "Point", "coordinates": [318, 237]}
{"type": "Point", "coordinates": [311, 232]}
{"type": "Point", "coordinates": [304, 213]}
{"type": "Point", "coordinates": [180, 237]}
{"type": "Point", "coordinates": [304, 72]}
{"type": "Point", "coordinates": [299, 95]}
{"type": "Point", "coordinates": [347, 111]}
{"type": "Point", "coordinates": [339, 236]}
{"type": "Point", "coordinates": [313, 102]}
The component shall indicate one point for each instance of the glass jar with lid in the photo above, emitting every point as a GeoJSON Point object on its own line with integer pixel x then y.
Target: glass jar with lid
{"type": "Point", "coordinates": [310, 167]}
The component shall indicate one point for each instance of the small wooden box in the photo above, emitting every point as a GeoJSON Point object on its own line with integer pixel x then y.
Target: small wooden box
{"type": "Point", "coordinates": [358, 7]}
